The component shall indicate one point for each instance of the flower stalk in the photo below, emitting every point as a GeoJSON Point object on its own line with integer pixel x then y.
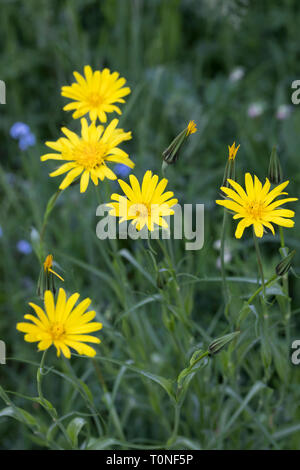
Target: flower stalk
{"type": "Point", "coordinates": [259, 262]}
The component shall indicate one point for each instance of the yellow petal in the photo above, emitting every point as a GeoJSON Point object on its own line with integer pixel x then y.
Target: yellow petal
{"type": "Point", "coordinates": [81, 348]}
{"type": "Point", "coordinates": [63, 169]}
{"type": "Point", "coordinates": [258, 229]}
{"type": "Point", "coordinates": [238, 189]}
{"type": "Point", "coordinates": [241, 227]}
{"type": "Point", "coordinates": [249, 185]}
{"type": "Point", "coordinates": [70, 177]}
{"type": "Point", "coordinates": [84, 181]}
{"type": "Point", "coordinates": [60, 305]}
{"type": "Point", "coordinates": [49, 305]}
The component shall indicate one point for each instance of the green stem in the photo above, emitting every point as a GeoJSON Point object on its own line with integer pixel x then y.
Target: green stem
{"type": "Point", "coordinates": [285, 285]}
{"type": "Point", "coordinates": [109, 402]}
{"type": "Point", "coordinates": [49, 208]}
{"type": "Point", "coordinates": [39, 376]}
{"type": "Point", "coordinates": [176, 291]}
{"type": "Point", "coordinates": [50, 410]}
{"type": "Point", "coordinates": [199, 358]}
{"type": "Point", "coordinates": [282, 243]}
{"type": "Point", "coordinates": [271, 281]}
{"type": "Point", "coordinates": [189, 370]}
{"type": "Point", "coordinates": [223, 269]}
{"type": "Point", "coordinates": [179, 405]}
{"type": "Point", "coordinates": [259, 262]}
{"type": "Point", "coordinates": [164, 167]}
{"type": "Point", "coordinates": [173, 437]}
{"type": "Point", "coordinates": [268, 283]}
{"type": "Point", "coordinates": [86, 397]}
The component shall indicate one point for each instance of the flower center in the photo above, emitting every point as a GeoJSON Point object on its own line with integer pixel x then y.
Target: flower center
{"type": "Point", "coordinates": [90, 154]}
{"type": "Point", "coordinates": [95, 100]}
{"type": "Point", "coordinates": [139, 210]}
{"type": "Point", "coordinates": [255, 209]}
{"type": "Point", "coordinates": [57, 330]}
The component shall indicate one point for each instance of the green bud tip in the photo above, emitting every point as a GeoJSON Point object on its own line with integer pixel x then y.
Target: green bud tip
{"type": "Point", "coordinates": [284, 266]}
{"type": "Point", "coordinates": [219, 343]}
{"type": "Point", "coordinates": [275, 171]}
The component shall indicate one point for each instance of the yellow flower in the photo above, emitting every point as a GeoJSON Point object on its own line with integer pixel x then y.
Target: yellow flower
{"type": "Point", "coordinates": [62, 325]}
{"type": "Point", "coordinates": [95, 93]}
{"type": "Point", "coordinates": [232, 151]}
{"type": "Point", "coordinates": [191, 128]}
{"type": "Point", "coordinates": [48, 267]}
{"type": "Point", "coordinates": [87, 155]}
{"type": "Point", "coordinates": [256, 205]}
{"type": "Point", "coordinates": [145, 205]}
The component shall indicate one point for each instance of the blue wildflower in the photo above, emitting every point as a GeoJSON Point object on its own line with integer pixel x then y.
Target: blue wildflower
{"type": "Point", "coordinates": [122, 170]}
{"type": "Point", "coordinates": [1, 231]}
{"type": "Point", "coordinates": [19, 129]}
{"type": "Point", "coordinates": [26, 141]}
{"type": "Point", "coordinates": [24, 247]}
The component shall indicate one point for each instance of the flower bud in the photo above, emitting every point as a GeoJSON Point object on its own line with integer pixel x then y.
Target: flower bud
{"type": "Point", "coordinates": [230, 165]}
{"type": "Point", "coordinates": [219, 343]}
{"type": "Point", "coordinates": [284, 266]}
{"type": "Point", "coordinates": [46, 277]}
{"type": "Point", "coordinates": [275, 171]}
{"type": "Point", "coordinates": [170, 155]}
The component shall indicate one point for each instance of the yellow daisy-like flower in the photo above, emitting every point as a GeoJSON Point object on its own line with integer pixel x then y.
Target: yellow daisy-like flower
{"type": "Point", "coordinates": [144, 205]}
{"type": "Point", "coordinates": [62, 325]}
{"type": "Point", "coordinates": [95, 93]}
{"type": "Point", "coordinates": [87, 155]}
{"type": "Point", "coordinates": [256, 205]}
{"type": "Point", "coordinates": [232, 151]}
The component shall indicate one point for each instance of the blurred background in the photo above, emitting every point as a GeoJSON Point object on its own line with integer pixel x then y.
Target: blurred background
{"type": "Point", "coordinates": [228, 65]}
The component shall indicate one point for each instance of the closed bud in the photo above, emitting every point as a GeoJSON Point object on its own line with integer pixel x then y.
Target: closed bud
{"type": "Point", "coordinates": [284, 266]}
{"type": "Point", "coordinates": [275, 171]}
{"type": "Point", "coordinates": [219, 343]}
{"type": "Point", "coordinates": [170, 155]}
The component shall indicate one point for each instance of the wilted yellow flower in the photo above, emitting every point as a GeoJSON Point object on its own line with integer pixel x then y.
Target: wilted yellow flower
{"type": "Point", "coordinates": [170, 155]}
{"type": "Point", "coordinates": [255, 206]}
{"type": "Point", "coordinates": [88, 155]}
{"type": "Point", "coordinates": [62, 325]}
{"type": "Point", "coordinates": [46, 277]}
{"type": "Point", "coordinates": [232, 151]}
{"type": "Point", "coordinates": [229, 172]}
{"type": "Point", "coordinates": [191, 128]}
{"type": "Point", "coordinates": [144, 205]}
{"type": "Point", "coordinates": [95, 93]}
{"type": "Point", "coordinates": [48, 267]}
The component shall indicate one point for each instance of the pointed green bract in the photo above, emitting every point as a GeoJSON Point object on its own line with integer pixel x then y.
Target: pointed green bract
{"type": "Point", "coordinates": [275, 171]}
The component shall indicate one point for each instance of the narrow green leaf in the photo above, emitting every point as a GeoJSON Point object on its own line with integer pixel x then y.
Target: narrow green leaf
{"type": "Point", "coordinates": [74, 428]}
{"type": "Point", "coordinates": [127, 255]}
